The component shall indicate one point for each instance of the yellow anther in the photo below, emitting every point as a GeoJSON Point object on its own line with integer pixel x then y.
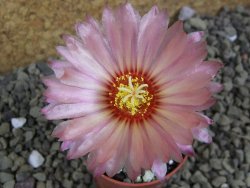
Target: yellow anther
{"type": "Point", "coordinates": [132, 96]}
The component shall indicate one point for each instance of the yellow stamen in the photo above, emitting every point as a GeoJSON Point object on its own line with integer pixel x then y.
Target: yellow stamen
{"type": "Point", "coordinates": [132, 96]}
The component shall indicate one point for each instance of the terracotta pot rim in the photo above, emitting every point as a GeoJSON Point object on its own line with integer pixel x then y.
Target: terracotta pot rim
{"type": "Point", "coordinates": [149, 183]}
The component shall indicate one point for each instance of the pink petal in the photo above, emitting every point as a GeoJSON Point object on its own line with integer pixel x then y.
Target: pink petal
{"type": "Point", "coordinates": [149, 156]}
{"type": "Point", "coordinates": [58, 66]}
{"type": "Point", "coordinates": [108, 150]}
{"type": "Point", "coordinates": [99, 170]}
{"type": "Point", "coordinates": [66, 145]}
{"type": "Point", "coordinates": [208, 120]}
{"type": "Point", "coordinates": [153, 27]}
{"type": "Point", "coordinates": [209, 67]}
{"type": "Point", "coordinates": [81, 59]}
{"type": "Point", "coordinates": [90, 162]}
{"type": "Point", "coordinates": [179, 133]}
{"type": "Point", "coordinates": [129, 20]}
{"type": "Point", "coordinates": [132, 174]}
{"type": "Point", "coordinates": [210, 102]}
{"type": "Point", "coordinates": [192, 56]}
{"type": "Point", "coordinates": [196, 79]}
{"type": "Point", "coordinates": [111, 154]}
{"type": "Point", "coordinates": [95, 168]}
{"type": "Point", "coordinates": [155, 142]}
{"type": "Point", "coordinates": [73, 77]}
{"type": "Point", "coordinates": [92, 140]}
{"type": "Point", "coordinates": [202, 134]}
{"type": "Point", "coordinates": [187, 149]}
{"type": "Point", "coordinates": [173, 150]}
{"type": "Point", "coordinates": [197, 97]}
{"type": "Point", "coordinates": [72, 129]}
{"type": "Point", "coordinates": [136, 153]}
{"type": "Point", "coordinates": [118, 161]}
{"type": "Point", "coordinates": [71, 95]}
{"type": "Point", "coordinates": [48, 100]}
{"type": "Point", "coordinates": [187, 83]}
{"type": "Point", "coordinates": [48, 107]}
{"type": "Point", "coordinates": [215, 87]}
{"type": "Point", "coordinates": [171, 50]}
{"type": "Point", "coordinates": [182, 117]}
{"type": "Point", "coordinates": [113, 36]}
{"type": "Point", "coordinates": [93, 39]}
{"type": "Point", "coordinates": [121, 29]}
{"type": "Point", "coordinates": [64, 111]}
{"type": "Point", "coordinates": [196, 36]}
{"type": "Point", "coordinates": [159, 169]}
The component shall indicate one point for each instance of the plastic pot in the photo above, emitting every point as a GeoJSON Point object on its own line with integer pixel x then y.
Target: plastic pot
{"type": "Point", "coordinates": [107, 182]}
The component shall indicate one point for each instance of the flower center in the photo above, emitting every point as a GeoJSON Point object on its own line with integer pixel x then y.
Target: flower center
{"type": "Point", "coordinates": [132, 95]}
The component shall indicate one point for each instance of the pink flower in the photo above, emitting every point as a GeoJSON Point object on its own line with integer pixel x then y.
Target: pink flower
{"type": "Point", "coordinates": [132, 90]}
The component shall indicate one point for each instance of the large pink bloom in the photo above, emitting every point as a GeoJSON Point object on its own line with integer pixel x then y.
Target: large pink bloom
{"type": "Point", "coordinates": [132, 90]}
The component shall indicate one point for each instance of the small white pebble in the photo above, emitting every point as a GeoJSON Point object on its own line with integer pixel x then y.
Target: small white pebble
{"type": "Point", "coordinates": [232, 38]}
{"type": "Point", "coordinates": [119, 171]}
{"type": "Point", "coordinates": [148, 176]}
{"type": "Point", "coordinates": [186, 12]}
{"type": "Point", "coordinates": [18, 122]}
{"type": "Point", "coordinates": [171, 162]}
{"type": "Point", "coordinates": [127, 180]}
{"type": "Point", "coordinates": [35, 159]}
{"type": "Point", "coordinates": [224, 185]}
{"type": "Point", "coordinates": [138, 179]}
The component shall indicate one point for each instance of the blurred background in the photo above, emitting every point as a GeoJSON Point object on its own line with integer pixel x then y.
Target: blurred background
{"type": "Point", "coordinates": [30, 29]}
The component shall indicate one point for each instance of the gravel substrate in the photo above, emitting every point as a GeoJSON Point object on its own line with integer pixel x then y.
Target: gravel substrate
{"type": "Point", "coordinates": [30, 157]}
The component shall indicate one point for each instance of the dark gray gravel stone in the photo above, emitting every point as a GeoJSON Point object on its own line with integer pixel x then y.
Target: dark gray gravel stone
{"type": "Point", "coordinates": [4, 128]}
{"type": "Point", "coordinates": [247, 157]}
{"type": "Point", "coordinates": [49, 184]}
{"type": "Point", "coordinates": [216, 163]}
{"type": "Point", "coordinates": [9, 184]}
{"type": "Point", "coordinates": [40, 176]}
{"type": "Point", "coordinates": [218, 181]}
{"type": "Point", "coordinates": [248, 179]}
{"type": "Point", "coordinates": [5, 177]}
{"type": "Point", "coordinates": [67, 183]}
{"type": "Point", "coordinates": [198, 177]}
{"type": "Point", "coordinates": [35, 111]}
{"type": "Point", "coordinates": [227, 166]}
{"type": "Point", "coordinates": [87, 178]}
{"type": "Point", "coordinates": [5, 162]}
{"type": "Point", "coordinates": [27, 183]}
{"type": "Point", "coordinates": [44, 68]}
{"type": "Point", "coordinates": [40, 185]}
{"type": "Point", "coordinates": [28, 135]}
{"type": "Point", "coordinates": [198, 23]}
{"type": "Point", "coordinates": [22, 175]}
{"type": "Point", "coordinates": [3, 143]}
{"type": "Point", "coordinates": [77, 175]}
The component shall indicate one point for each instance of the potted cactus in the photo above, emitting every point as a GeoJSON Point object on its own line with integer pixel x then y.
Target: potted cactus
{"type": "Point", "coordinates": [131, 91]}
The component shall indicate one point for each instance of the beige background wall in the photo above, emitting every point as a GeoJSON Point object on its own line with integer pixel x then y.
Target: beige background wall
{"type": "Point", "coordinates": [30, 29]}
